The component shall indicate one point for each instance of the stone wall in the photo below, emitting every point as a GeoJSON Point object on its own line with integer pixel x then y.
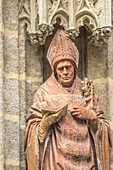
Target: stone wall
{"type": "Point", "coordinates": [110, 88]}
{"type": "Point", "coordinates": [23, 68]}
{"type": "Point", "coordinates": [21, 72]}
{"type": "Point", "coordinates": [10, 84]}
{"type": "Point", "coordinates": [1, 89]}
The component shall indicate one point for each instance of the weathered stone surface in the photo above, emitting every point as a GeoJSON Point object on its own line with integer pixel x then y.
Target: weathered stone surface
{"type": "Point", "coordinates": [12, 167]}
{"type": "Point", "coordinates": [47, 70]}
{"type": "Point", "coordinates": [11, 54]}
{"type": "Point", "coordinates": [101, 90]}
{"type": "Point", "coordinates": [110, 87]}
{"type": "Point", "coordinates": [97, 62]}
{"type": "Point", "coordinates": [11, 96]}
{"type": "Point", "coordinates": [11, 140]}
{"type": "Point", "coordinates": [34, 60]}
{"type": "Point", "coordinates": [11, 14]}
{"type": "Point", "coordinates": [30, 92]}
{"type": "Point", "coordinates": [1, 50]}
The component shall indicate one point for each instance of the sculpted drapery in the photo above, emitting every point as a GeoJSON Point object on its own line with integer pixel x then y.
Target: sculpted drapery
{"type": "Point", "coordinates": [79, 137]}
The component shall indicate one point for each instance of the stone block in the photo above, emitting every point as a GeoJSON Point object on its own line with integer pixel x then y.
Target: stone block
{"type": "Point", "coordinates": [11, 54]}
{"type": "Point", "coordinates": [101, 90]}
{"type": "Point", "coordinates": [22, 95]}
{"type": "Point", "coordinates": [110, 57]}
{"type": "Point", "coordinates": [97, 66]}
{"type": "Point", "coordinates": [22, 156]}
{"type": "Point", "coordinates": [31, 89]}
{"type": "Point", "coordinates": [11, 167]}
{"type": "Point", "coordinates": [11, 139]}
{"type": "Point", "coordinates": [1, 50]}
{"type": "Point", "coordinates": [11, 96]}
{"type": "Point", "coordinates": [11, 14]}
{"type": "Point", "coordinates": [34, 61]}
{"type": "Point", "coordinates": [22, 57]}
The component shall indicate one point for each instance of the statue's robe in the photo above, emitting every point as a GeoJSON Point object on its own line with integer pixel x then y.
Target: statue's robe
{"type": "Point", "coordinates": [70, 143]}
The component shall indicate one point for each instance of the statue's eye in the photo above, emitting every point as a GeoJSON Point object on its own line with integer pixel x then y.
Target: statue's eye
{"type": "Point", "coordinates": [60, 69]}
{"type": "Point", "coordinates": [68, 67]}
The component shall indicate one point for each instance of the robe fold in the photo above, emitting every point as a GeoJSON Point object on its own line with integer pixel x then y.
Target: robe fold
{"type": "Point", "coordinates": [70, 143]}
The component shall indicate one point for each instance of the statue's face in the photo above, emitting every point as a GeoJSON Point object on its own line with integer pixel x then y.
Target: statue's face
{"type": "Point", "coordinates": [65, 73]}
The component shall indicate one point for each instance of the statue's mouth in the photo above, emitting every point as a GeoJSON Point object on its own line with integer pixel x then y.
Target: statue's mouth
{"type": "Point", "coordinates": [66, 78]}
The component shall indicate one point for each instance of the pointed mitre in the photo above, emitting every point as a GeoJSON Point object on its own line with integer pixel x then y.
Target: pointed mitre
{"type": "Point", "coordinates": [62, 48]}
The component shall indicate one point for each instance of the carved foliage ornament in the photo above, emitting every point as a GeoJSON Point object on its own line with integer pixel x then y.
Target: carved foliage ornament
{"type": "Point", "coordinates": [43, 31]}
{"type": "Point", "coordinates": [41, 15]}
{"type": "Point", "coordinates": [100, 35]}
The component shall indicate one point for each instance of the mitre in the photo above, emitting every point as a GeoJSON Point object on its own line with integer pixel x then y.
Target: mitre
{"type": "Point", "coordinates": [62, 48]}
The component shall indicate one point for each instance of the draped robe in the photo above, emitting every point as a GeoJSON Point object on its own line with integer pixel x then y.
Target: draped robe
{"type": "Point", "coordinates": [70, 143]}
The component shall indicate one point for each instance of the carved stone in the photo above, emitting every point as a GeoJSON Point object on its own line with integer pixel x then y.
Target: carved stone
{"type": "Point", "coordinates": [72, 33]}
{"type": "Point", "coordinates": [66, 128]}
{"type": "Point", "coordinates": [100, 35]}
{"type": "Point", "coordinates": [41, 15]}
{"type": "Point", "coordinates": [40, 36]}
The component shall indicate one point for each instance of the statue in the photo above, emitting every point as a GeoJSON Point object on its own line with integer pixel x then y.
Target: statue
{"type": "Point", "coordinates": [66, 129]}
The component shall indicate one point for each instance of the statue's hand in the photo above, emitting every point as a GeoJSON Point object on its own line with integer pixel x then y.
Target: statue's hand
{"type": "Point", "coordinates": [50, 117]}
{"type": "Point", "coordinates": [84, 113]}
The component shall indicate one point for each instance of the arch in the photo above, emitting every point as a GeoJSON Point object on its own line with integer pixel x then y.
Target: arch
{"type": "Point", "coordinates": [60, 17]}
{"type": "Point", "coordinates": [62, 14]}
{"type": "Point", "coordinates": [87, 21]}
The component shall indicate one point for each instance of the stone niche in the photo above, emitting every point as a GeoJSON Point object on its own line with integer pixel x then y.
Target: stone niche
{"type": "Point", "coordinates": [26, 30]}
{"type": "Point", "coordinates": [88, 24]}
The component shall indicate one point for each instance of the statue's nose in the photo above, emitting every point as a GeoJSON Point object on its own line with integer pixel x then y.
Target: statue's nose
{"type": "Point", "coordinates": [65, 71]}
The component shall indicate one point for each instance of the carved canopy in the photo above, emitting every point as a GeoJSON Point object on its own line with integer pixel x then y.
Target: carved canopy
{"type": "Point", "coordinates": [41, 15]}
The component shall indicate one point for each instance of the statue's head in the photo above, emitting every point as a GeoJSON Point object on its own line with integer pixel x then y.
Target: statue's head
{"type": "Point", "coordinates": [63, 57]}
{"type": "Point", "coordinates": [65, 72]}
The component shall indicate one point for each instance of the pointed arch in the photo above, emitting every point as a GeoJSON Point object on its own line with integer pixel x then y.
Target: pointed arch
{"type": "Point", "coordinates": [86, 20]}
{"type": "Point", "coordinates": [63, 16]}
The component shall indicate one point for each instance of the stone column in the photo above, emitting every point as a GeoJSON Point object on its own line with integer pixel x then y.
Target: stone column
{"type": "Point", "coordinates": [22, 91]}
{"type": "Point", "coordinates": [11, 86]}
{"type": "Point", "coordinates": [72, 16]}
{"type": "Point", "coordinates": [30, 78]}
{"type": "Point", "coordinates": [42, 11]}
{"type": "Point", "coordinates": [32, 6]}
{"type": "Point", "coordinates": [1, 89]}
{"type": "Point", "coordinates": [110, 87]}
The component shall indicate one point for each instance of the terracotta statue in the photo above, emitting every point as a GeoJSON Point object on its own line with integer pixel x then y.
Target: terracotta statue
{"type": "Point", "coordinates": [66, 129]}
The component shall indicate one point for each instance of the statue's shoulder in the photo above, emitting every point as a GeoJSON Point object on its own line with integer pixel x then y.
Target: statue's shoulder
{"type": "Point", "coordinates": [78, 82]}
{"type": "Point", "coordinates": [48, 85]}
{"type": "Point", "coordinates": [49, 82]}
